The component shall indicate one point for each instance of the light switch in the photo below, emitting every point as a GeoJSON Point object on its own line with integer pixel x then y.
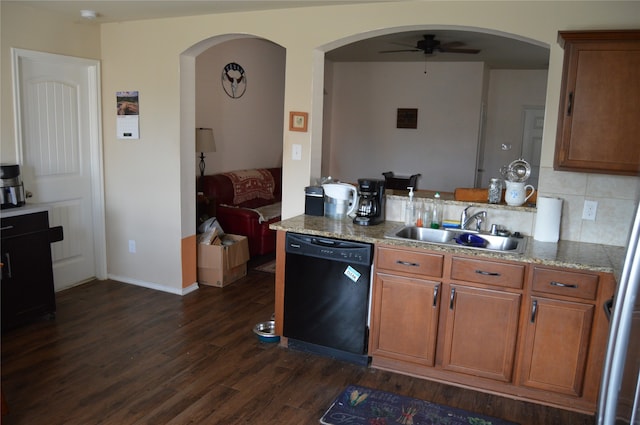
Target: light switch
{"type": "Point", "coordinates": [296, 152]}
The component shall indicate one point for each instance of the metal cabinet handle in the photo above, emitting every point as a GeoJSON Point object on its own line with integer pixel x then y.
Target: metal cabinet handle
{"type": "Point", "coordinates": [407, 263]}
{"type": "Point", "coordinates": [6, 228]}
{"type": "Point", "coordinates": [534, 309]}
{"type": "Point", "coordinates": [608, 306]}
{"type": "Point", "coordinates": [7, 264]}
{"type": "Point", "coordinates": [482, 272]}
{"type": "Point", "coordinates": [436, 289]}
{"type": "Point", "coordinates": [570, 104]}
{"type": "Point", "coordinates": [451, 297]}
{"type": "Point", "coordinates": [563, 285]}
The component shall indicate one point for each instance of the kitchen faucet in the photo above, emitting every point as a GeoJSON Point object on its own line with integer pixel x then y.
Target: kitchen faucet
{"type": "Point", "coordinates": [465, 220]}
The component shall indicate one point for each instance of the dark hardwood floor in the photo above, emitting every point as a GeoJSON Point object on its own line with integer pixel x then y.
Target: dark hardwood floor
{"type": "Point", "coordinates": [121, 354]}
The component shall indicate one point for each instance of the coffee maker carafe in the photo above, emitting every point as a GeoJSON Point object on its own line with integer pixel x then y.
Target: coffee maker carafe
{"type": "Point", "coordinates": [371, 202]}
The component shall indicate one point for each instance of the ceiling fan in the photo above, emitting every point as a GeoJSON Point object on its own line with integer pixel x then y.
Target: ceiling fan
{"type": "Point", "coordinates": [429, 45]}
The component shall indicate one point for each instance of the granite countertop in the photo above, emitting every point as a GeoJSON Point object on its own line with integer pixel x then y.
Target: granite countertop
{"type": "Point", "coordinates": [576, 255]}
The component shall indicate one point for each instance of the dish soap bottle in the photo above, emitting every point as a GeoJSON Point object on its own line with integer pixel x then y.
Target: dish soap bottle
{"type": "Point", "coordinates": [436, 212]}
{"type": "Point", "coordinates": [409, 211]}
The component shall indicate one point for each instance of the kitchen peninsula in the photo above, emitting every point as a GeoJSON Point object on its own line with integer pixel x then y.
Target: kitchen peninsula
{"type": "Point", "coordinates": [528, 326]}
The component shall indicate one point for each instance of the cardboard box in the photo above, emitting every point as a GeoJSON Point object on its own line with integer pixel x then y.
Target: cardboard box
{"type": "Point", "coordinates": [220, 265]}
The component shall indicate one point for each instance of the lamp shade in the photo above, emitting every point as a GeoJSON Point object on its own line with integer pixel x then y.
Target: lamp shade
{"type": "Point", "coordinates": [204, 140]}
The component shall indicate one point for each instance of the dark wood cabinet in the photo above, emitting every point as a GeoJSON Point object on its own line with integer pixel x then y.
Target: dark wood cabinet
{"type": "Point", "coordinates": [598, 121]}
{"type": "Point", "coordinates": [27, 275]}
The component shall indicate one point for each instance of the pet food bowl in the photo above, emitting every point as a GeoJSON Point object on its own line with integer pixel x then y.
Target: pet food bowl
{"type": "Point", "coordinates": [266, 331]}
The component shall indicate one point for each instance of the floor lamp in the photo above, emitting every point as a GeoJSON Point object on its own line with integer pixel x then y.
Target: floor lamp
{"type": "Point", "coordinates": [204, 143]}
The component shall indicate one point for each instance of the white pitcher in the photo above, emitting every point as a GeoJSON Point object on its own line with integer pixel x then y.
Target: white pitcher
{"type": "Point", "coordinates": [340, 199]}
{"type": "Point", "coordinates": [516, 193]}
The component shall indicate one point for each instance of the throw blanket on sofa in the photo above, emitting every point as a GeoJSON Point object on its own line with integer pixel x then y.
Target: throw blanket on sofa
{"type": "Point", "coordinates": [251, 184]}
{"type": "Point", "coordinates": [265, 213]}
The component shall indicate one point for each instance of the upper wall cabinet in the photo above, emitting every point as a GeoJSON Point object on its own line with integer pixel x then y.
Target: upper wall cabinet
{"type": "Point", "coordinates": [599, 113]}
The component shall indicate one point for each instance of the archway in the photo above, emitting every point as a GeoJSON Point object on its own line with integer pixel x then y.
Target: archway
{"type": "Point", "coordinates": [248, 129]}
{"type": "Point", "coordinates": [518, 47]}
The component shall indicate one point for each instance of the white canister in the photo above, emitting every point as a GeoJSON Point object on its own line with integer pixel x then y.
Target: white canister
{"type": "Point", "coordinates": [516, 193]}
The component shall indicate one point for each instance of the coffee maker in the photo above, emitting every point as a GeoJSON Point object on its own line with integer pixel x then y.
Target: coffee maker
{"type": "Point", "coordinates": [11, 187]}
{"type": "Point", "coordinates": [371, 202]}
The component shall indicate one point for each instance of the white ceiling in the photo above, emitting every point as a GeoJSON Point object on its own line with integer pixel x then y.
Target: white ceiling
{"type": "Point", "coordinates": [135, 10]}
{"type": "Point", "coordinates": [497, 51]}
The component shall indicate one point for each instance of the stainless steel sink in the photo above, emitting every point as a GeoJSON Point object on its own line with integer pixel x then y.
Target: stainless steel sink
{"type": "Point", "coordinates": [494, 243]}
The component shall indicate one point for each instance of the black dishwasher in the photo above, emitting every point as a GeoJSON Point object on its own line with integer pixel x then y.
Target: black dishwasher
{"type": "Point", "coordinates": [327, 296]}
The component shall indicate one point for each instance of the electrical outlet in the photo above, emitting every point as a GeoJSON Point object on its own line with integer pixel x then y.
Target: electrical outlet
{"type": "Point", "coordinates": [296, 152]}
{"type": "Point", "coordinates": [589, 211]}
{"type": "Point", "coordinates": [132, 246]}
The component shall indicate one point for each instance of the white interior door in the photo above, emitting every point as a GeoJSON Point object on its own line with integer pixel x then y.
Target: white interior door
{"type": "Point", "coordinates": [59, 139]}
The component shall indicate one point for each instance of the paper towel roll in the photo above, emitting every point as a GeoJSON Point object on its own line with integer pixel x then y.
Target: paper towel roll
{"type": "Point", "coordinates": [548, 219]}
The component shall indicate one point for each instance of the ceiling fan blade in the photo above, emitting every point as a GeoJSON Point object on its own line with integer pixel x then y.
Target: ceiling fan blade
{"type": "Point", "coordinates": [472, 51]}
{"type": "Point", "coordinates": [410, 46]}
{"type": "Point", "coordinates": [452, 45]}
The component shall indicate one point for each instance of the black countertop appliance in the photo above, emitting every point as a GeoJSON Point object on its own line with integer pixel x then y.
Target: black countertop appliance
{"type": "Point", "coordinates": [11, 187]}
{"type": "Point", "coordinates": [371, 202]}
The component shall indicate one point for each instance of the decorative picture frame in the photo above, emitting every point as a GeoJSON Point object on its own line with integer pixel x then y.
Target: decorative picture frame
{"type": "Point", "coordinates": [298, 121]}
{"type": "Point", "coordinates": [407, 118]}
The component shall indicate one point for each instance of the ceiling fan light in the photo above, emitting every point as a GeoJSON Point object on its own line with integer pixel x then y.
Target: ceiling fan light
{"type": "Point", "coordinates": [88, 14]}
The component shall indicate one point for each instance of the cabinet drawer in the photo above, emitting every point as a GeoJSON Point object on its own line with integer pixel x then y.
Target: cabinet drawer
{"type": "Point", "coordinates": [22, 224]}
{"type": "Point", "coordinates": [414, 262]}
{"type": "Point", "coordinates": [488, 272]}
{"type": "Point", "coordinates": [567, 283]}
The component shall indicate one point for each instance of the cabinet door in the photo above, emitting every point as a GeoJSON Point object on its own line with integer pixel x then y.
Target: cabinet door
{"type": "Point", "coordinates": [556, 345]}
{"type": "Point", "coordinates": [27, 278]}
{"type": "Point", "coordinates": [598, 114]}
{"type": "Point", "coordinates": [480, 332]}
{"type": "Point", "coordinates": [405, 318]}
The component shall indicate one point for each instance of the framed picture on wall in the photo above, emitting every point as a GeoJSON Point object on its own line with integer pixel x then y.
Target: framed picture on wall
{"type": "Point", "coordinates": [298, 121]}
{"type": "Point", "coordinates": [407, 118]}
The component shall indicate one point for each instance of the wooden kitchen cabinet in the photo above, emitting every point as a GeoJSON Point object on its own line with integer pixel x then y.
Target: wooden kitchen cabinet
{"type": "Point", "coordinates": [556, 345]}
{"type": "Point", "coordinates": [405, 306]}
{"type": "Point", "coordinates": [405, 322]}
{"type": "Point", "coordinates": [598, 113]}
{"type": "Point", "coordinates": [557, 335]}
{"type": "Point", "coordinates": [481, 327]}
{"type": "Point", "coordinates": [532, 332]}
{"type": "Point", "coordinates": [475, 315]}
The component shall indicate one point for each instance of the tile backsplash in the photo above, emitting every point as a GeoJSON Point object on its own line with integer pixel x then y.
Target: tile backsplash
{"type": "Point", "coordinates": [617, 197]}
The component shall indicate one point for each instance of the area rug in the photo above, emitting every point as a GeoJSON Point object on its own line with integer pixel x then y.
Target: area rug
{"type": "Point", "coordinates": [269, 267]}
{"type": "Point", "coordinates": [365, 406]}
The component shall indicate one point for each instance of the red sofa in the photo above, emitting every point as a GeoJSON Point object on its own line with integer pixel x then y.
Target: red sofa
{"type": "Point", "coordinates": [245, 202]}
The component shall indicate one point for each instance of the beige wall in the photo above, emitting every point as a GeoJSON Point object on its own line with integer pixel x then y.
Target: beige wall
{"type": "Point", "coordinates": [32, 29]}
{"type": "Point", "coordinates": [248, 130]}
{"type": "Point", "coordinates": [149, 181]}
{"type": "Point", "coordinates": [363, 135]}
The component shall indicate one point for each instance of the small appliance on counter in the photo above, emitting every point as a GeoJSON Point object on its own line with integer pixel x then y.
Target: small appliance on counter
{"type": "Point", "coordinates": [340, 200]}
{"type": "Point", "coordinates": [11, 187]}
{"type": "Point", "coordinates": [371, 202]}
{"type": "Point", "coordinates": [314, 200]}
